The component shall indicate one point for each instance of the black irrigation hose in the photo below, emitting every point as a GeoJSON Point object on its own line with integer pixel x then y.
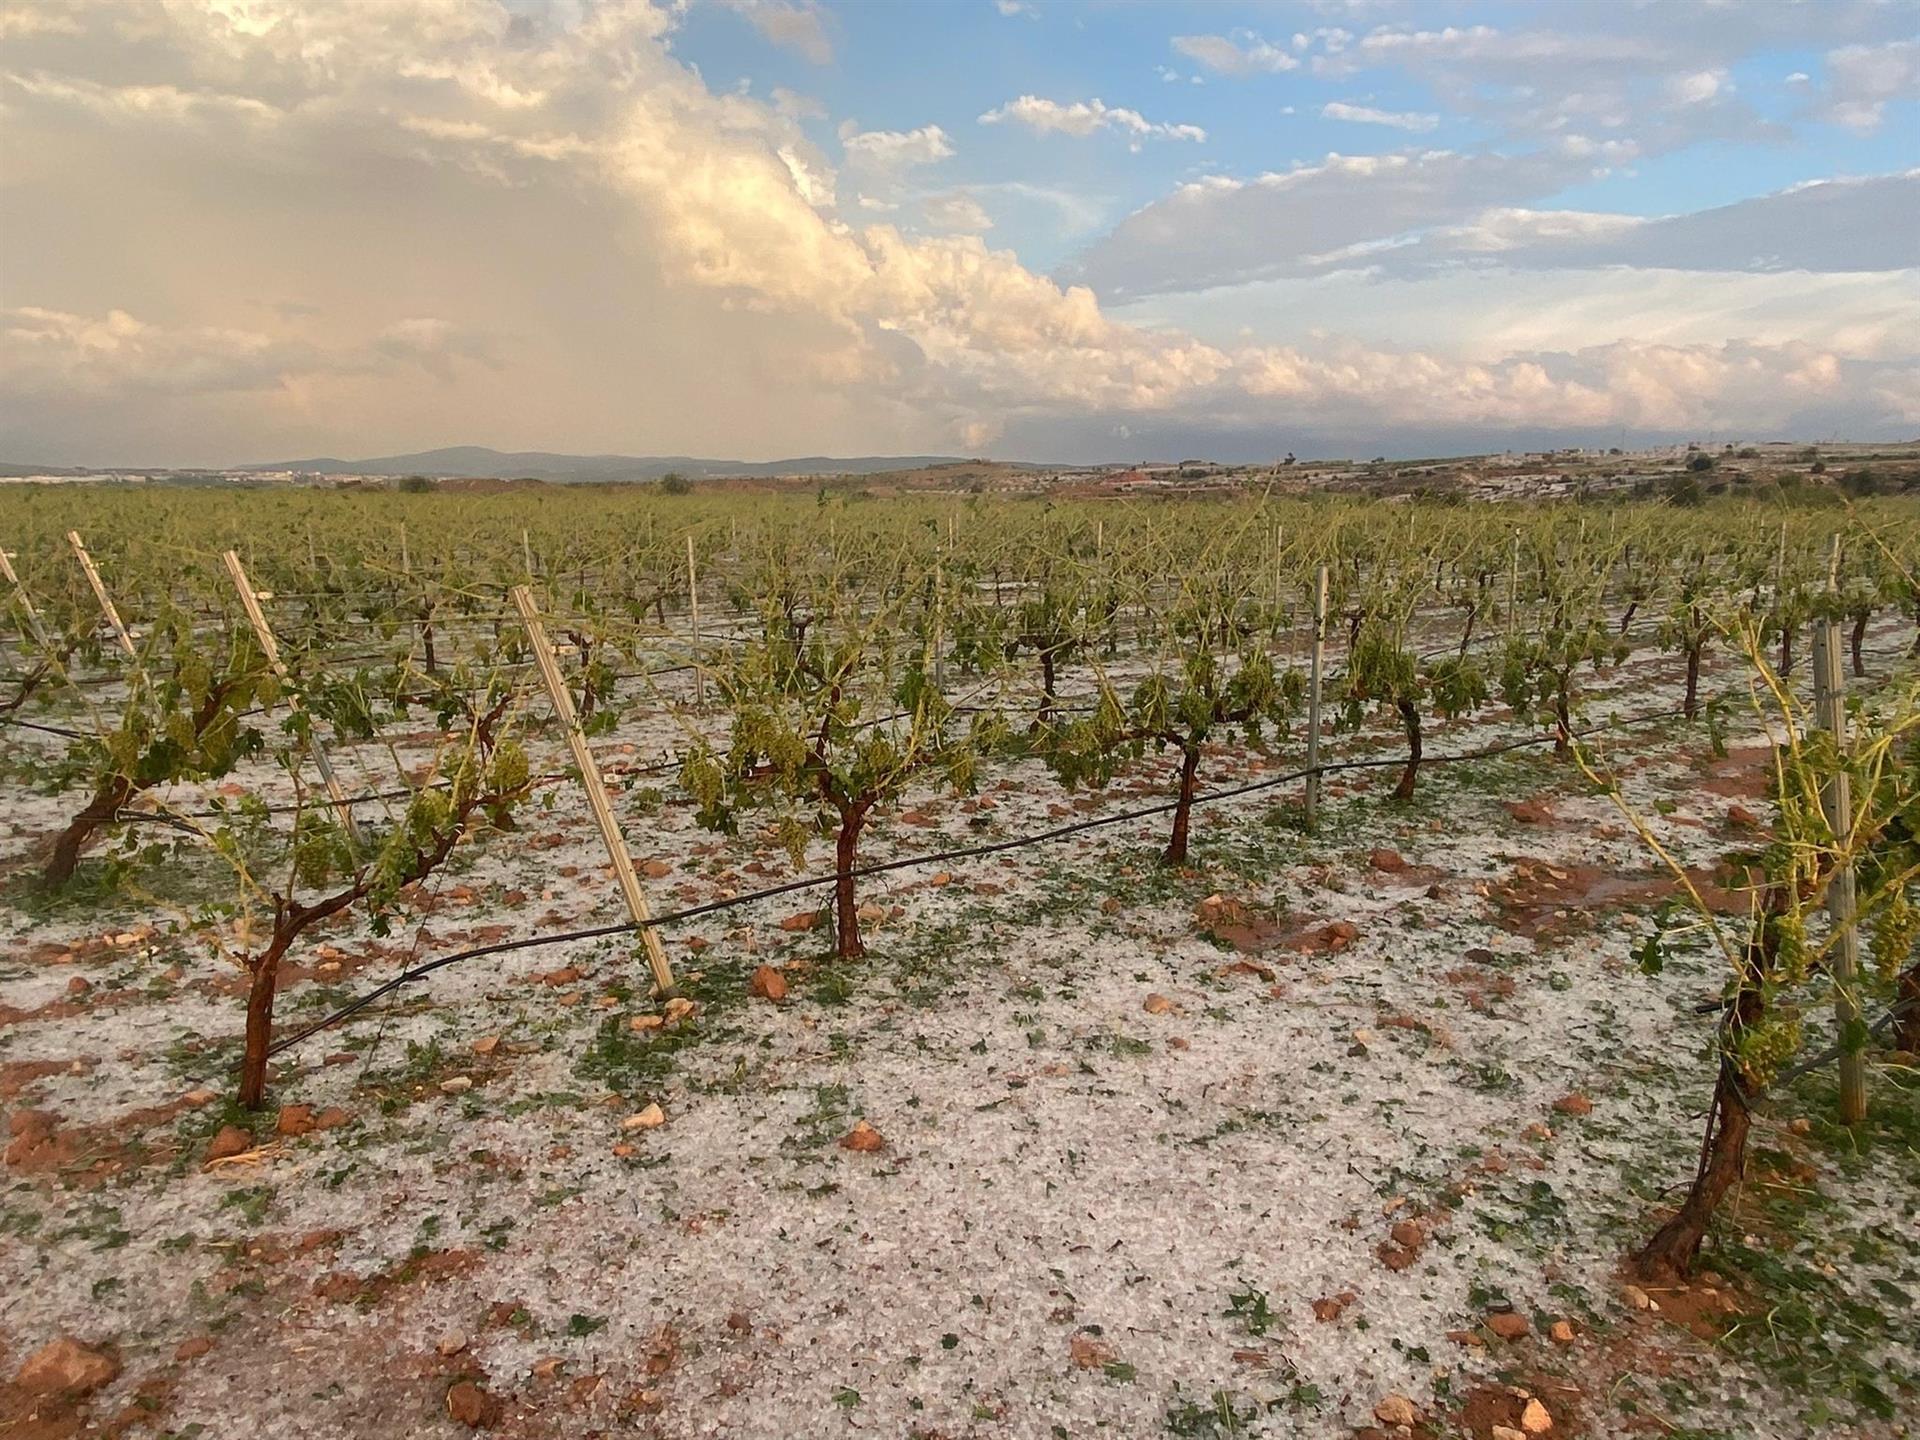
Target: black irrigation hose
{"type": "Point", "coordinates": [969, 852]}
{"type": "Point", "coordinates": [1833, 1052]}
{"type": "Point", "coordinates": [59, 730]}
{"type": "Point", "coordinates": [174, 817]}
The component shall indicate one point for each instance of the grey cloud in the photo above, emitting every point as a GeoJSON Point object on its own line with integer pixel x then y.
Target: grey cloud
{"type": "Point", "coordinates": [1382, 217]}
{"type": "Point", "coordinates": [1224, 232]}
{"type": "Point", "coordinates": [1830, 226]}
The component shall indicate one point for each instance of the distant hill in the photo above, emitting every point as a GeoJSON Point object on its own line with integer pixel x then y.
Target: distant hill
{"type": "Point", "coordinates": [480, 462]}
{"type": "Point", "coordinates": [11, 471]}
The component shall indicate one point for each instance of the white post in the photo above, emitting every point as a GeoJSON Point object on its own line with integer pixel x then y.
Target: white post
{"type": "Point", "coordinates": [637, 908]}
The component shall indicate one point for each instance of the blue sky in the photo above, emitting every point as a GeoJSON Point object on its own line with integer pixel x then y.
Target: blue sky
{"type": "Point", "coordinates": [1043, 230]}
{"type": "Point", "coordinates": [1125, 54]}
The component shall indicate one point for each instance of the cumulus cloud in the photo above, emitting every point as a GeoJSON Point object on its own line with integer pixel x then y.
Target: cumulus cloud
{"type": "Point", "coordinates": [1081, 118]}
{"type": "Point", "coordinates": [1367, 115]}
{"type": "Point", "coordinates": [1240, 54]}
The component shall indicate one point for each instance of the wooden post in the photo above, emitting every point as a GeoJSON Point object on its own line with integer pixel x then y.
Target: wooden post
{"type": "Point", "coordinates": [1780, 604]}
{"type": "Point", "coordinates": [1513, 586]}
{"type": "Point", "coordinates": [269, 647]}
{"type": "Point", "coordinates": [1279, 592]}
{"type": "Point", "coordinates": [693, 614]}
{"type": "Point", "coordinates": [1830, 712]}
{"type": "Point", "coordinates": [939, 616]}
{"type": "Point", "coordinates": [1313, 696]}
{"type": "Point", "coordinates": [100, 593]}
{"type": "Point", "coordinates": [526, 552]}
{"type": "Point", "coordinates": [406, 561]}
{"type": "Point", "coordinates": [637, 908]}
{"type": "Point", "coordinates": [26, 602]}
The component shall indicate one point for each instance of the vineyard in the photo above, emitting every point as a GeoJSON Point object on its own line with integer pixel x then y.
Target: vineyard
{"type": "Point", "coordinates": [607, 962]}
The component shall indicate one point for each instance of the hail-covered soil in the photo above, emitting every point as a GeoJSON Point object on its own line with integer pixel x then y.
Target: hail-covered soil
{"type": "Point", "coordinates": [1316, 1135]}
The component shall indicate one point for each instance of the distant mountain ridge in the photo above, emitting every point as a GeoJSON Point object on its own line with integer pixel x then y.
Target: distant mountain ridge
{"type": "Point", "coordinates": [480, 462]}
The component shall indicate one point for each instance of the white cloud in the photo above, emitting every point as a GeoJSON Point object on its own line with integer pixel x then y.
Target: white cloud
{"type": "Point", "coordinates": [895, 150]}
{"type": "Point", "coordinates": [956, 211]}
{"type": "Point", "coordinates": [1081, 118]}
{"type": "Point", "coordinates": [55, 353]}
{"type": "Point", "coordinates": [143, 104]}
{"type": "Point", "coordinates": [796, 106]}
{"type": "Point", "coordinates": [1012, 8]}
{"type": "Point", "coordinates": [796, 25]}
{"type": "Point", "coordinates": [1367, 115]}
{"type": "Point", "coordinates": [1862, 79]}
{"type": "Point", "coordinates": [51, 351]}
{"type": "Point", "coordinates": [1697, 87]}
{"type": "Point", "coordinates": [435, 345]}
{"type": "Point", "coordinates": [1242, 53]}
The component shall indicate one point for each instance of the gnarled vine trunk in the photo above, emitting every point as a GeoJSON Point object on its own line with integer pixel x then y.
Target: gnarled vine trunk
{"type": "Point", "coordinates": [1671, 1253]}
{"type": "Point", "coordinates": [263, 971]}
{"type": "Point", "coordinates": [263, 982]}
{"type": "Point", "coordinates": [1410, 719]}
{"type": "Point", "coordinates": [1906, 1026]}
{"type": "Point", "coordinates": [1183, 807]}
{"type": "Point", "coordinates": [98, 812]}
{"type": "Point", "coordinates": [846, 914]}
{"type": "Point", "coordinates": [1675, 1246]}
{"type": "Point", "coordinates": [113, 793]}
{"type": "Point", "coordinates": [1856, 643]}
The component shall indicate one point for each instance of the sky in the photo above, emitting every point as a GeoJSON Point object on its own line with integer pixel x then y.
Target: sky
{"type": "Point", "coordinates": [248, 230]}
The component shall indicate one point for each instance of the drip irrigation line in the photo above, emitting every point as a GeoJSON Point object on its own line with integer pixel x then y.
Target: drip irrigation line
{"type": "Point", "coordinates": [1833, 1052]}
{"type": "Point", "coordinates": [59, 730]}
{"type": "Point", "coordinates": [171, 817]}
{"type": "Point", "coordinates": [967, 852]}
